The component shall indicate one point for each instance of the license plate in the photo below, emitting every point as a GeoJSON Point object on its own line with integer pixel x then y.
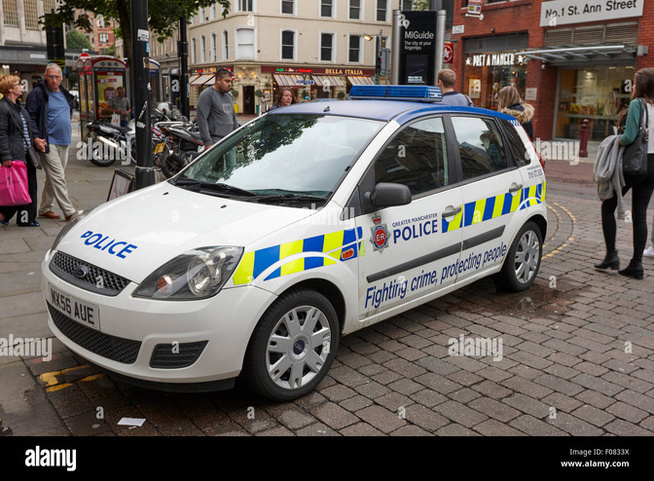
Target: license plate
{"type": "Point", "coordinates": [159, 147]}
{"type": "Point", "coordinates": [82, 312]}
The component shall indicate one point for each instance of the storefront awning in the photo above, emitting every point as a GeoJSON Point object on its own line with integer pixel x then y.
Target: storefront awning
{"type": "Point", "coordinates": [289, 80]}
{"type": "Point", "coordinates": [358, 80]}
{"type": "Point", "coordinates": [201, 79]}
{"type": "Point", "coordinates": [576, 55]}
{"type": "Point", "coordinates": [328, 80]}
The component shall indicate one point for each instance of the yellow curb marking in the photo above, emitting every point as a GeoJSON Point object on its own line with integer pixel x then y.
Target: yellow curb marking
{"type": "Point", "coordinates": [569, 239]}
{"type": "Point", "coordinates": [52, 383]}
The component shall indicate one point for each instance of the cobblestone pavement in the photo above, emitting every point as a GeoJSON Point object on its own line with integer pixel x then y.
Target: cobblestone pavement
{"type": "Point", "coordinates": [578, 353]}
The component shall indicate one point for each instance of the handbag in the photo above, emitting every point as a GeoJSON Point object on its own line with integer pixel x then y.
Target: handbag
{"type": "Point", "coordinates": [13, 184]}
{"type": "Point", "coordinates": [33, 157]}
{"type": "Point", "coordinates": [634, 156]}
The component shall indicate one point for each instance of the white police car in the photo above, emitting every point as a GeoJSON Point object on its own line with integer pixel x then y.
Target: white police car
{"type": "Point", "coordinates": [306, 224]}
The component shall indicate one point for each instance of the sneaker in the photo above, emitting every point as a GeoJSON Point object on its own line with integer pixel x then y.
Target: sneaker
{"type": "Point", "coordinates": [649, 252]}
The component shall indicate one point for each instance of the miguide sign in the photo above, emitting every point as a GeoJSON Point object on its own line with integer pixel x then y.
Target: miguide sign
{"type": "Point", "coordinates": [417, 59]}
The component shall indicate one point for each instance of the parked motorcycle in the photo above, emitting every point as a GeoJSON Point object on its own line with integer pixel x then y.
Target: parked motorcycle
{"type": "Point", "coordinates": [182, 145]}
{"type": "Point", "coordinates": [107, 142]}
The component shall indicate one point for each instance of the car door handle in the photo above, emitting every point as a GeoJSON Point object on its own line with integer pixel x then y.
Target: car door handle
{"type": "Point", "coordinates": [450, 211]}
{"type": "Point", "coordinates": [515, 188]}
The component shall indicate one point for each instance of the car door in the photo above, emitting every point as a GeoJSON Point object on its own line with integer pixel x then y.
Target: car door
{"type": "Point", "coordinates": [492, 191]}
{"type": "Point", "coordinates": [409, 248]}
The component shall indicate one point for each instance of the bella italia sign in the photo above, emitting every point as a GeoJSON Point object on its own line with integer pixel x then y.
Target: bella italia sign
{"type": "Point", "coordinates": [562, 12]}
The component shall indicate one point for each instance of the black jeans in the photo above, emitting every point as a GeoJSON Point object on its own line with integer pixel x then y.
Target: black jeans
{"type": "Point", "coordinates": [641, 192]}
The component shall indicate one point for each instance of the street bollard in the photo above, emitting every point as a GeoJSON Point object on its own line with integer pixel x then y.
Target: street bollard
{"type": "Point", "coordinates": [583, 142]}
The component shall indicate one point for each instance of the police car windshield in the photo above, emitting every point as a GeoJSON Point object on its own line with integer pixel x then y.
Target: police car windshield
{"type": "Point", "coordinates": [284, 158]}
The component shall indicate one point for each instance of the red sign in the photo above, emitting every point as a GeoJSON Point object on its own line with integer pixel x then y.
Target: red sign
{"type": "Point", "coordinates": [448, 52]}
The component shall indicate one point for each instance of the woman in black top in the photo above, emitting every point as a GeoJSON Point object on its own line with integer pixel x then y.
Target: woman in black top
{"type": "Point", "coordinates": [15, 135]}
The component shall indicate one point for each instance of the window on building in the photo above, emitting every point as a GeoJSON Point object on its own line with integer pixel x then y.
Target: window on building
{"type": "Point", "coordinates": [225, 45]}
{"type": "Point", "coordinates": [214, 48]}
{"type": "Point", "coordinates": [481, 149]}
{"type": "Point", "coordinates": [416, 157]}
{"type": "Point", "coordinates": [288, 45]}
{"type": "Point", "coordinates": [407, 5]}
{"type": "Point", "coordinates": [354, 51]}
{"type": "Point", "coordinates": [104, 37]}
{"type": "Point", "coordinates": [246, 5]}
{"type": "Point", "coordinates": [355, 10]}
{"type": "Point", "coordinates": [326, 46]}
{"type": "Point", "coordinates": [193, 50]}
{"type": "Point", "coordinates": [203, 49]}
{"type": "Point", "coordinates": [326, 8]}
{"type": "Point", "coordinates": [48, 6]}
{"type": "Point", "coordinates": [245, 43]}
{"type": "Point", "coordinates": [288, 7]}
{"type": "Point", "coordinates": [31, 14]}
{"type": "Point", "coordinates": [382, 10]}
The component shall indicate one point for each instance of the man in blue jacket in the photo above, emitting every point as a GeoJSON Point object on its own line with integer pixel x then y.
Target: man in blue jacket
{"type": "Point", "coordinates": [51, 107]}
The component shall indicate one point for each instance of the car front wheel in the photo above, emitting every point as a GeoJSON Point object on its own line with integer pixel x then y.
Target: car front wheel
{"type": "Point", "coordinates": [293, 346]}
{"type": "Point", "coordinates": [523, 259]}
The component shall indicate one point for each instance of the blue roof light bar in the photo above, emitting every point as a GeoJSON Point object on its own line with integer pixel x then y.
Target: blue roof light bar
{"type": "Point", "coordinates": [414, 93]}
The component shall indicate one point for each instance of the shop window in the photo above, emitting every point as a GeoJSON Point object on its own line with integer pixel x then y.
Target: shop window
{"type": "Point", "coordinates": [416, 157]}
{"type": "Point", "coordinates": [597, 94]}
{"type": "Point", "coordinates": [481, 149]}
{"type": "Point", "coordinates": [326, 47]}
{"type": "Point", "coordinates": [355, 10]}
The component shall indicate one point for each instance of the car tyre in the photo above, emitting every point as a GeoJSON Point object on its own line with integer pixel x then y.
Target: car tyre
{"type": "Point", "coordinates": [523, 259]}
{"type": "Point", "coordinates": [293, 346]}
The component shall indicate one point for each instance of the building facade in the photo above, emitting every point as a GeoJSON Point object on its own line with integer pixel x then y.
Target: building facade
{"type": "Point", "coordinates": [573, 60]}
{"type": "Point", "coordinates": [320, 48]}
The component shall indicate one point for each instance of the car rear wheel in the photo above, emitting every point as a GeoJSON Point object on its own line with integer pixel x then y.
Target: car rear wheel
{"type": "Point", "coordinates": [293, 346]}
{"type": "Point", "coordinates": [523, 259]}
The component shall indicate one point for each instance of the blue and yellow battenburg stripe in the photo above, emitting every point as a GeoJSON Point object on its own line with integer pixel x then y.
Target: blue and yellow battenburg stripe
{"type": "Point", "coordinates": [496, 206]}
{"type": "Point", "coordinates": [317, 251]}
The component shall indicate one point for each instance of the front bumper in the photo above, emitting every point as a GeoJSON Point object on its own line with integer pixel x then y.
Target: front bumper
{"type": "Point", "coordinates": [172, 345]}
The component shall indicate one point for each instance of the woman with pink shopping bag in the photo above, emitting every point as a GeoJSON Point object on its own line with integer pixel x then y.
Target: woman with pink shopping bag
{"type": "Point", "coordinates": [15, 138]}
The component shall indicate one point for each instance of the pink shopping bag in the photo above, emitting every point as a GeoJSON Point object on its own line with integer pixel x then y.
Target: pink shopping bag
{"type": "Point", "coordinates": [13, 184]}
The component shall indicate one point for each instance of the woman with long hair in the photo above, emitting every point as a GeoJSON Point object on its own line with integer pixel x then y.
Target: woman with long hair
{"type": "Point", "coordinates": [641, 186]}
{"type": "Point", "coordinates": [510, 103]}
{"type": "Point", "coordinates": [285, 96]}
{"type": "Point", "coordinates": [15, 136]}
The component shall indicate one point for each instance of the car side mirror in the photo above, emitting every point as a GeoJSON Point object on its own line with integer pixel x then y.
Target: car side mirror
{"type": "Point", "coordinates": [387, 194]}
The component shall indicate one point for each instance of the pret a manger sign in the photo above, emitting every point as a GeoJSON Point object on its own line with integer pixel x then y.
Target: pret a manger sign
{"type": "Point", "coordinates": [561, 12]}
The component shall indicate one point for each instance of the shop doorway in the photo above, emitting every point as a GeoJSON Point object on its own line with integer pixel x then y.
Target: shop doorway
{"type": "Point", "coordinates": [248, 99]}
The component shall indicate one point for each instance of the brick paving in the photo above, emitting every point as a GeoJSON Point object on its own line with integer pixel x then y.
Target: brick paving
{"type": "Point", "coordinates": [578, 352]}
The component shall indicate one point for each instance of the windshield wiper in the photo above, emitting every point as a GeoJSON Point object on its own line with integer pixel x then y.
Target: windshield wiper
{"type": "Point", "coordinates": [220, 187]}
{"type": "Point", "coordinates": [290, 197]}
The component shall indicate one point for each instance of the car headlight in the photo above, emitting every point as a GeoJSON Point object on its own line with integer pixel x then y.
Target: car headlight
{"type": "Point", "coordinates": [77, 216]}
{"type": "Point", "coordinates": [197, 274]}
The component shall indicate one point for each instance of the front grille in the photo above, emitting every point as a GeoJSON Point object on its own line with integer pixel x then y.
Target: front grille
{"type": "Point", "coordinates": [105, 345]}
{"type": "Point", "coordinates": [176, 356]}
{"type": "Point", "coordinates": [89, 277]}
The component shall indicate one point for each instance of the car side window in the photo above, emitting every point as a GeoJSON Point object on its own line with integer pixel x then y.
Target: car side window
{"type": "Point", "coordinates": [480, 145]}
{"type": "Point", "coordinates": [416, 157]}
{"type": "Point", "coordinates": [516, 144]}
